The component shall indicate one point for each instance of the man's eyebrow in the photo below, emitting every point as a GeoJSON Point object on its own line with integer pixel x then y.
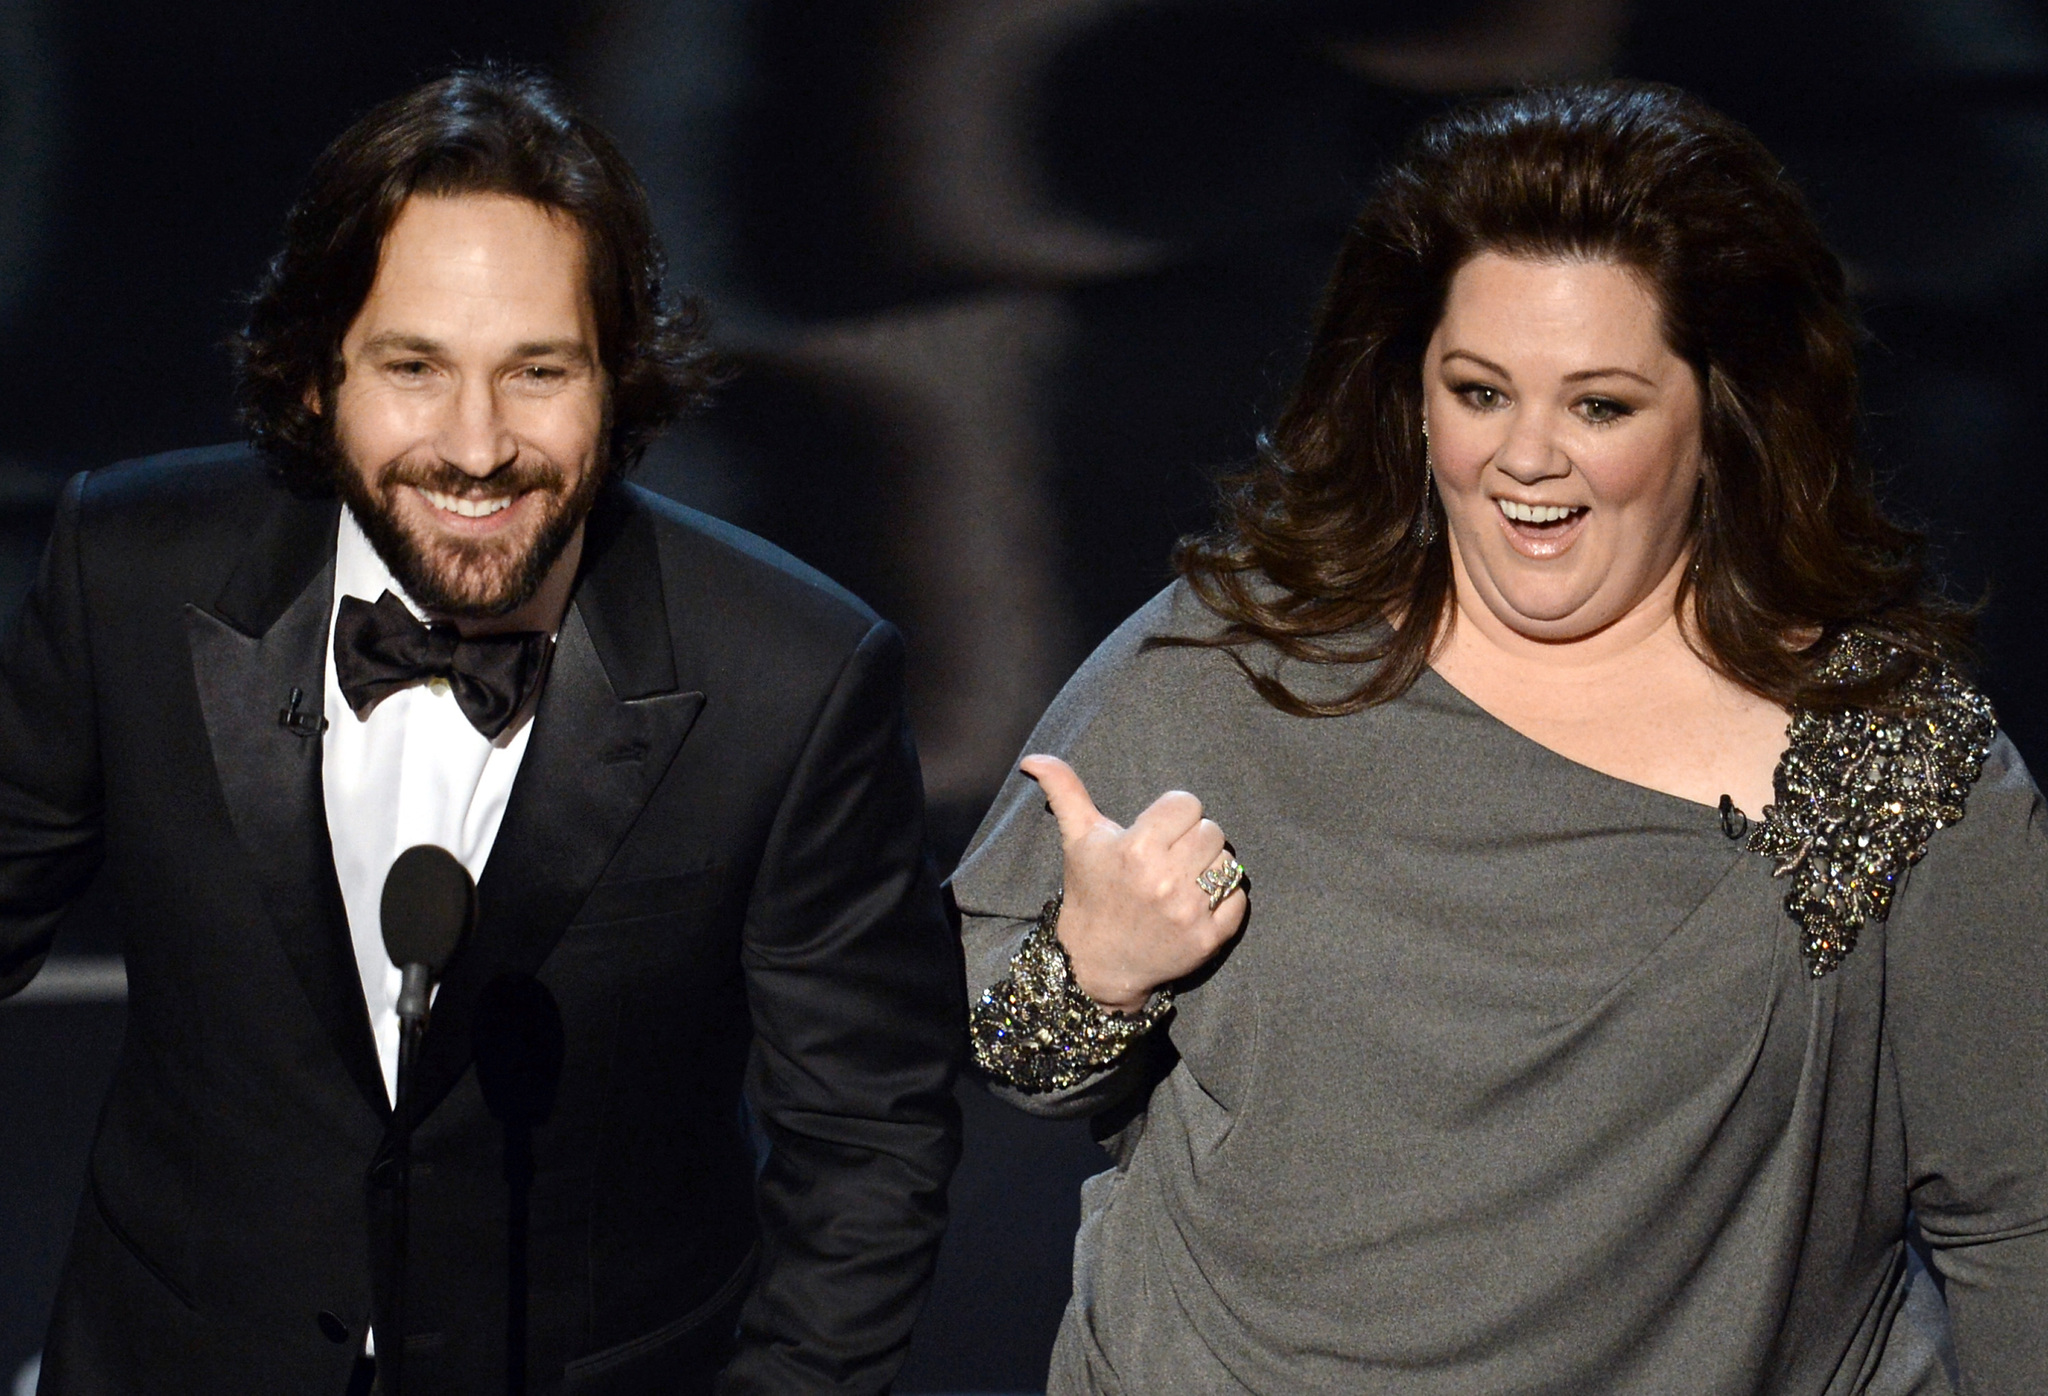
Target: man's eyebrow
{"type": "Point", "coordinates": [573, 349]}
{"type": "Point", "coordinates": [399, 341]}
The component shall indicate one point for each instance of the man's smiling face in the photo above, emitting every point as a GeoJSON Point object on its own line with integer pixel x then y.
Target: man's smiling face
{"type": "Point", "coordinates": [470, 420]}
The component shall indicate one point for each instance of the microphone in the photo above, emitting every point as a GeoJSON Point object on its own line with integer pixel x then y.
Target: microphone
{"type": "Point", "coordinates": [428, 905]}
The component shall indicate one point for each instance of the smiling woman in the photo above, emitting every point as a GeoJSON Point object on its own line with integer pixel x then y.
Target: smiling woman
{"type": "Point", "coordinates": [1567, 432]}
{"type": "Point", "coordinates": [1566, 453]}
{"type": "Point", "coordinates": [1557, 623]}
{"type": "Point", "coordinates": [1712, 265]}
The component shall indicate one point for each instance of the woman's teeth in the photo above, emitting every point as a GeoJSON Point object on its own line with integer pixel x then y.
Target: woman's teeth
{"type": "Point", "coordinates": [1535, 513]}
{"type": "Point", "coordinates": [468, 508]}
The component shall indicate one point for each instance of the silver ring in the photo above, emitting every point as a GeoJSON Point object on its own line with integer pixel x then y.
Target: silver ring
{"type": "Point", "coordinates": [1219, 883]}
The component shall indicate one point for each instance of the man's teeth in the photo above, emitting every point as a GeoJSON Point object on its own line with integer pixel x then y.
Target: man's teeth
{"type": "Point", "coordinates": [1535, 513]}
{"type": "Point", "coordinates": [468, 508]}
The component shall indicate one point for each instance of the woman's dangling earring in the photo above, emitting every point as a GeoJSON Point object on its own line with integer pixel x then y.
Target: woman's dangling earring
{"type": "Point", "coordinates": [1424, 531]}
{"type": "Point", "coordinates": [1699, 530]}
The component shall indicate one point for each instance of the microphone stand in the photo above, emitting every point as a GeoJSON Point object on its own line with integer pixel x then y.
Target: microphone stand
{"type": "Point", "coordinates": [412, 1027]}
{"type": "Point", "coordinates": [517, 1045]}
{"type": "Point", "coordinates": [428, 905]}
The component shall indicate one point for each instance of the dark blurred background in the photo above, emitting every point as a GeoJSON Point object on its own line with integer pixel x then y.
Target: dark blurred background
{"type": "Point", "coordinates": [1008, 282]}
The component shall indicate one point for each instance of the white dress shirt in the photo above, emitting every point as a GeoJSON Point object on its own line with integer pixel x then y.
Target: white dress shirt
{"type": "Point", "coordinates": [412, 771]}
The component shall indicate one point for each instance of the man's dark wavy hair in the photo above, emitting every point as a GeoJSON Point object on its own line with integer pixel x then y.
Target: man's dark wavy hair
{"type": "Point", "coordinates": [1315, 550]}
{"type": "Point", "coordinates": [480, 130]}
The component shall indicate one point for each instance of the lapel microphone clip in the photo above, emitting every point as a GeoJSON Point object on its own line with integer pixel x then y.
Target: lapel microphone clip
{"type": "Point", "coordinates": [300, 724]}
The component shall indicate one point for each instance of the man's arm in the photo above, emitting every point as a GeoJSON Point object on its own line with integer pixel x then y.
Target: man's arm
{"type": "Point", "coordinates": [854, 982]}
{"type": "Point", "coordinates": [50, 792]}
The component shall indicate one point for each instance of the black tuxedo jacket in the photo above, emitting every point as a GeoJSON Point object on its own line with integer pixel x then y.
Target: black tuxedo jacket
{"type": "Point", "coordinates": [713, 859]}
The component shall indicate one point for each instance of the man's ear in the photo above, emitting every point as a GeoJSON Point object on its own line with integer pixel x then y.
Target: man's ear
{"type": "Point", "coordinates": [311, 397]}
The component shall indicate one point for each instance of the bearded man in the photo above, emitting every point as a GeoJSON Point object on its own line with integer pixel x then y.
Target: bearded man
{"type": "Point", "coordinates": [423, 607]}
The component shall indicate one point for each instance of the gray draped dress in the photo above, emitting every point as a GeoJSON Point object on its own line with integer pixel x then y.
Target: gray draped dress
{"type": "Point", "coordinates": [1518, 1080]}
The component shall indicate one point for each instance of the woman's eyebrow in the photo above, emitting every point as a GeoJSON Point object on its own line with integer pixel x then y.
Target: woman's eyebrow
{"type": "Point", "coordinates": [1586, 373]}
{"type": "Point", "coordinates": [1489, 365]}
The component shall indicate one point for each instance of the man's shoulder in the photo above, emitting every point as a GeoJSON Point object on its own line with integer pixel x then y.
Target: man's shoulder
{"type": "Point", "coordinates": [707, 559]}
{"type": "Point", "coordinates": [211, 488]}
{"type": "Point", "coordinates": [233, 466]}
{"type": "Point", "coordinates": [182, 523]}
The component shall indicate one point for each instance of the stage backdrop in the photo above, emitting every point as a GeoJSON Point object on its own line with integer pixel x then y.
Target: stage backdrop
{"type": "Point", "coordinates": [1006, 282]}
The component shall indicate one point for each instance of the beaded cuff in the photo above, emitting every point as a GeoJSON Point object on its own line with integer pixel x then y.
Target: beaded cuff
{"type": "Point", "coordinates": [1039, 1031]}
{"type": "Point", "coordinates": [1859, 793]}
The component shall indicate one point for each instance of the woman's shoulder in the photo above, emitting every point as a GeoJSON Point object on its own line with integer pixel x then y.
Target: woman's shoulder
{"type": "Point", "coordinates": [1164, 653]}
{"type": "Point", "coordinates": [1137, 717]}
{"type": "Point", "coordinates": [1920, 743]}
{"type": "Point", "coordinates": [1919, 789]}
{"type": "Point", "coordinates": [1986, 814]}
{"type": "Point", "coordinates": [1175, 622]}
{"type": "Point", "coordinates": [1176, 651]}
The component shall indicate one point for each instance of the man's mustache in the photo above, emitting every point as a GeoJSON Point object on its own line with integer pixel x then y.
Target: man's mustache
{"type": "Point", "coordinates": [521, 476]}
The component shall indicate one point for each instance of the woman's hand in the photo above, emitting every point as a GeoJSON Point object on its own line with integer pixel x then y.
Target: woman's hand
{"type": "Point", "coordinates": [1134, 917]}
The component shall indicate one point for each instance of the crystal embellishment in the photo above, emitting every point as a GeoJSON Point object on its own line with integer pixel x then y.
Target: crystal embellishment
{"type": "Point", "coordinates": [1860, 792]}
{"type": "Point", "coordinates": [1039, 1031]}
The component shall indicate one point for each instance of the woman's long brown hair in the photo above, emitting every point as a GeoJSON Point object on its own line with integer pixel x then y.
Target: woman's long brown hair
{"type": "Point", "coordinates": [1316, 551]}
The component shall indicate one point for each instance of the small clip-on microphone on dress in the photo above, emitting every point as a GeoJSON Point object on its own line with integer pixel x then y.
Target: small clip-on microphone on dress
{"type": "Point", "coordinates": [429, 904]}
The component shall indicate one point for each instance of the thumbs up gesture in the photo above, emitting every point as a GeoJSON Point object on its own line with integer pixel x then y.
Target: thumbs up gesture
{"type": "Point", "coordinates": [1134, 916]}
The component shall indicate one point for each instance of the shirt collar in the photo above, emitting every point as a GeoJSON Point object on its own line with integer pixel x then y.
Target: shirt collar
{"type": "Point", "coordinates": [360, 572]}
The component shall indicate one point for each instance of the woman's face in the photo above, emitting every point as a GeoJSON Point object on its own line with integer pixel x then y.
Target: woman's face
{"type": "Point", "coordinates": [1566, 438]}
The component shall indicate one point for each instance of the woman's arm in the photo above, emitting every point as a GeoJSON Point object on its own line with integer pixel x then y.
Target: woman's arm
{"type": "Point", "coordinates": [1135, 913]}
{"type": "Point", "coordinates": [1967, 1017]}
{"type": "Point", "coordinates": [1038, 1040]}
{"type": "Point", "coordinates": [1092, 974]}
{"type": "Point", "coordinates": [1075, 926]}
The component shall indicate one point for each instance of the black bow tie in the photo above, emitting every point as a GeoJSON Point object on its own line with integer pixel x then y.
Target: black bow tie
{"type": "Point", "coordinates": [380, 649]}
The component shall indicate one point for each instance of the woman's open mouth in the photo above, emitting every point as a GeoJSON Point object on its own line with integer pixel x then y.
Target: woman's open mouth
{"type": "Point", "coordinates": [1540, 530]}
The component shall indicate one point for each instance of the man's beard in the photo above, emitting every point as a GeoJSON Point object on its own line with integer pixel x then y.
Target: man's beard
{"type": "Point", "coordinates": [467, 578]}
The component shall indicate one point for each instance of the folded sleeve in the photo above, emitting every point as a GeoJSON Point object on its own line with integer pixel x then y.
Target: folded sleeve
{"type": "Point", "coordinates": [50, 790]}
{"type": "Point", "coordinates": [1967, 1019]}
{"type": "Point", "coordinates": [853, 981]}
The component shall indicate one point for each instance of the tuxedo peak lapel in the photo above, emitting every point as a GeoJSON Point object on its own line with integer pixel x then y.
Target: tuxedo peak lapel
{"type": "Point", "coordinates": [249, 656]}
{"type": "Point", "coordinates": [604, 735]}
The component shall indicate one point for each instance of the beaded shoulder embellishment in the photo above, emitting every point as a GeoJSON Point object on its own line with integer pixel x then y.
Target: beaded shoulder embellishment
{"type": "Point", "coordinates": [1039, 1031]}
{"type": "Point", "coordinates": [1859, 793]}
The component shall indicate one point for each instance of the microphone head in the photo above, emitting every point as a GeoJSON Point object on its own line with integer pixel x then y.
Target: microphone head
{"type": "Point", "coordinates": [429, 903]}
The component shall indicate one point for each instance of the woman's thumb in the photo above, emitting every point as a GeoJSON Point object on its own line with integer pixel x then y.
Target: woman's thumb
{"type": "Point", "coordinates": [1065, 793]}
